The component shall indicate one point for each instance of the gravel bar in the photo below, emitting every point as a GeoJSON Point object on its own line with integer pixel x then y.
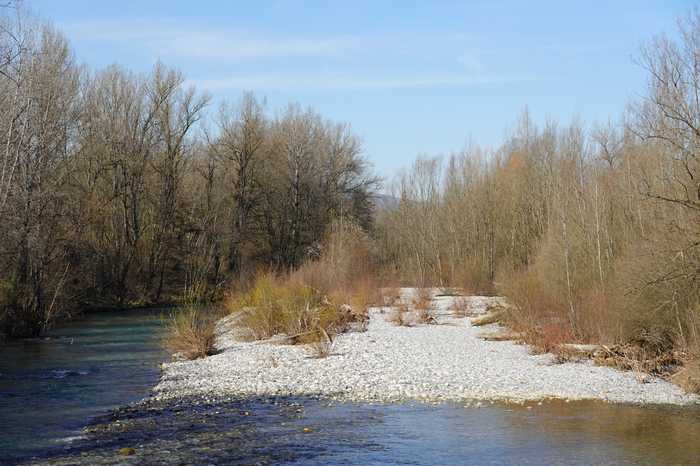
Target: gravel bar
{"type": "Point", "coordinates": [445, 362]}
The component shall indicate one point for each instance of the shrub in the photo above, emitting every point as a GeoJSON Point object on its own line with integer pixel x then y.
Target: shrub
{"type": "Point", "coordinates": [660, 297]}
{"type": "Point", "coordinates": [688, 377]}
{"type": "Point", "coordinates": [400, 316]}
{"type": "Point", "coordinates": [273, 306]}
{"type": "Point", "coordinates": [448, 291]}
{"type": "Point", "coordinates": [460, 307]}
{"type": "Point", "coordinates": [426, 316]}
{"type": "Point", "coordinates": [540, 316]}
{"type": "Point", "coordinates": [327, 295]}
{"type": "Point", "coordinates": [474, 277]}
{"type": "Point", "coordinates": [283, 305]}
{"type": "Point", "coordinates": [389, 296]}
{"type": "Point", "coordinates": [190, 333]}
{"type": "Point", "coordinates": [322, 344]}
{"type": "Point", "coordinates": [345, 262]}
{"type": "Point", "coordinates": [423, 306]}
{"type": "Point", "coordinates": [422, 299]}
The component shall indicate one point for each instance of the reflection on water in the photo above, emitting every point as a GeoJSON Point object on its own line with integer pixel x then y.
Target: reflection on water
{"type": "Point", "coordinates": [51, 387]}
{"type": "Point", "coordinates": [307, 431]}
{"type": "Point", "coordinates": [552, 433]}
{"type": "Point", "coordinates": [607, 432]}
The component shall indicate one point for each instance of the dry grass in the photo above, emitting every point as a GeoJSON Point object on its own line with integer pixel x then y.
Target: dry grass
{"type": "Point", "coordinates": [400, 316]}
{"type": "Point", "coordinates": [321, 346]}
{"type": "Point", "coordinates": [422, 308]}
{"type": "Point", "coordinates": [285, 305]}
{"type": "Point", "coordinates": [279, 305]}
{"type": "Point", "coordinates": [326, 296]}
{"type": "Point", "coordinates": [345, 264]}
{"type": "Point", "coordinates": [549, 337]}
{"type": "Point", "coordinates": [448, 291]}
{"type": "Point", "coordinates": [491, 317]}
{"type": "Point", "coordinates": [390, 296]}
{"type": "Point", "coordinates": [460, 307]}
{"type": "Point", "coordinates": [190, 333]}
{"type": "Point", "coordinates": [688, 377]}
{"type": "Point", "coordinates": [426, 316]}
{"type": "Point", "coordinates": [422, 299]}
{"type": "Point", "coordinates": [354, 302]}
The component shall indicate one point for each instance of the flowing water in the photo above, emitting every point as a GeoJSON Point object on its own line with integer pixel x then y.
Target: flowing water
{"type": "Point", "coordinates": [50, 389]}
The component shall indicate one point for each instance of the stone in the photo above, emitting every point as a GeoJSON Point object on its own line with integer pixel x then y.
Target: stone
{"type": "Point", "coordinates": [126, 451]}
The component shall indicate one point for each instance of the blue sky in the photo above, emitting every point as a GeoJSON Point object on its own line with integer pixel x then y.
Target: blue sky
{"type": "Point", "coordinates": [410, 77]}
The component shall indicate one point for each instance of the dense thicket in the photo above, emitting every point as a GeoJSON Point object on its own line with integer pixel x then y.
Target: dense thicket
{"type": "Point", "coordinates": [113, 192]}
{"type": "Point", "coordinates": [593, 233]}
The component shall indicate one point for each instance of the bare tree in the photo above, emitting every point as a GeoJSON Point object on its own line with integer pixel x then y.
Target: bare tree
{"type": "Point", "coordinates": [239, 146]}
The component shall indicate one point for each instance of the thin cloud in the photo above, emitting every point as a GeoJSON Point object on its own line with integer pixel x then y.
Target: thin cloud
{"type": "Point", "coordinates": [302, 82]}
{"type": "Point", "coordinates": [389, 60]}
{"type": "Point", "coordinates": [171, 39]}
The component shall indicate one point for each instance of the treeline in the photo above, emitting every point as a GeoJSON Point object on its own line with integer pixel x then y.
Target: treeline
{"type": "Point", "coordinates": [593, 233]}
{"type": "Point", "coordinates": [117, 188]}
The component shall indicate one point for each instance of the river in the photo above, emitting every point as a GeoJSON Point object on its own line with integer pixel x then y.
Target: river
{"type": "Point", "coordinates": [50, 389]}
{"type": "Point", "coordinates": [52, 386]}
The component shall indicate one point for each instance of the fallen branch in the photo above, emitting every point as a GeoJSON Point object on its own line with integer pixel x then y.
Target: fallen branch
{"type": "Point", "coordinates": [492, 317]}
{"type": "Point", "coordinates": [502, 336]}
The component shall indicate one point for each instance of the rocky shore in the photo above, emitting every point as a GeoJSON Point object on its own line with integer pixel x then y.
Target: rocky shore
{"type": "Point", "coordinates": [267, 403]}
{"type": "Point", "coordinates": [386, 363]}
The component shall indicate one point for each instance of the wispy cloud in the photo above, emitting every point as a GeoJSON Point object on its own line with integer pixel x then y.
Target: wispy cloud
{"type": "Point", "coordinates": [345, 82]}
{"type": "Point", "coordinates": [387, 60]}
{"type": "Point", "coordinates": [172, 39]}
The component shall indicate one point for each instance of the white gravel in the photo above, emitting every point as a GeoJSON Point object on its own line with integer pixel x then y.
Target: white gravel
{"type": "Point", "coordinates": [389, 363]}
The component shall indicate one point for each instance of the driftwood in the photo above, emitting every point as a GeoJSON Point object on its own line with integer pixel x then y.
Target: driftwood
{"type": "Point", "coordinates": [501, 336]}
{"type": "Point", "coordinates": [583, 350]}
{"type": "Point", "coordinates": [688, 377]}
{"type": "Point", "coordinates": [491, 317]}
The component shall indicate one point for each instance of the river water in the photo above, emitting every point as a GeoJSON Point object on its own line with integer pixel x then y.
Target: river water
{"type": "Point", "coordinates": [51, 389]}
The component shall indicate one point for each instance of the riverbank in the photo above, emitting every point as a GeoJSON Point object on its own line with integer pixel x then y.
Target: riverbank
{"type": "Point", "coordinates": [263, 403]}
{"type": "Point", "coordinates": [434, 363]}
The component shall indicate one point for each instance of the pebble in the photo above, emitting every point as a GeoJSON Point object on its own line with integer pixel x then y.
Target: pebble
{"type": "Point", "coordinates": [388, 363]}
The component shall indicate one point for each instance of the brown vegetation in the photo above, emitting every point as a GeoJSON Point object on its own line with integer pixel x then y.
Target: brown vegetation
{"type": "Point", "coordinates": [113, 193]}
{"type": "Point", "coordinates": [688, 377]}
{"type": "Point", "coordinates": [321, 345]}
{"type": "Point", "coordinates": [460, 307]}
{"type": "Point", "coordinates": [400, 316]}
{"type": "Point", "coordinates": [321, 299]}
{"type": "Point", "coordinates": [423, 306]}
{"type": "Point", "coordinates": [389, 296]}
{"type": "Point", "coordinates": [591, 233]}
{"type": "Point", "coordinates": [422, 299]}
{"type": "Point", "coordinates": [492, 316]}
{"type": "Point", "coordinates": [278, 305]}
{"type": "Point", "coordinates": [190, 334]}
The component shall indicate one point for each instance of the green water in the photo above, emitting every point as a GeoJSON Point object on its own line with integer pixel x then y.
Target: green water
{"type": "Point", "coordinates": [50, 388]}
